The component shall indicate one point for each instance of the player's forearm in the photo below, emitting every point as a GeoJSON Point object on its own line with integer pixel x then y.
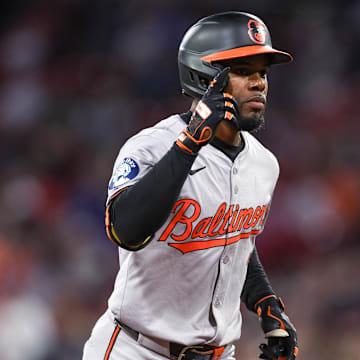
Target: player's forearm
{"type": "Point", "coordinates": [257, 284]}
{"type": "Point", "coordinates": [136, 213]}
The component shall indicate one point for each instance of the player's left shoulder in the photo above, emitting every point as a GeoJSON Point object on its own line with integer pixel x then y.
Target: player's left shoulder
{"type": "Point", "coordinates": [260, 153]}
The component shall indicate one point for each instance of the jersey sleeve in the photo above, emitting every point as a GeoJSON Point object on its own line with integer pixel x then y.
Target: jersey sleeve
{"type": "Point", "coordinates": [150, 169]}
{"type": "Point", "coordinates": [134, 161]}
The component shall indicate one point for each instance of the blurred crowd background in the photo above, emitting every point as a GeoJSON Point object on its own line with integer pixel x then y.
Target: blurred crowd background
{"type": "Point", "coordinates": [78, 77]}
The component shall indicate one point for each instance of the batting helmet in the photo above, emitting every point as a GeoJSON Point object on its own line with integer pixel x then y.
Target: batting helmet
{"type": "Point", "coordinates": [220, 37]}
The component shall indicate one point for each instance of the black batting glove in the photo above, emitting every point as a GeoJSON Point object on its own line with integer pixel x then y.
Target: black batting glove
{"type": "Point", "coordinates": [213, 107]}
{"type": "Point", "coordinates": [280, 333]}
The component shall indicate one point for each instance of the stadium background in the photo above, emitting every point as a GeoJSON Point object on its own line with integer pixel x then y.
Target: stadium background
{"type": "Point", "coordinates": [79, 77]}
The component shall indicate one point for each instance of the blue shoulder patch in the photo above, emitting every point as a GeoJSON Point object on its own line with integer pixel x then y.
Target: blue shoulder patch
{"type": "Point", "coordinates": [126, 171]}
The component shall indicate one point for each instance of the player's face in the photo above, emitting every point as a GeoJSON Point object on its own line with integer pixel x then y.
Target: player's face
{"type": "Point", "coordinates": [248, 83]}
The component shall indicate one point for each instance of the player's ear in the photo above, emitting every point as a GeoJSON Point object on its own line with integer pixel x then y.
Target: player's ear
{"type": "Point", "coordinates": [204, 82]}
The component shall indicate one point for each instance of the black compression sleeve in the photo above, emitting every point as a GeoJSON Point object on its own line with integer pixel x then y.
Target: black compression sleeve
{"type": "Point", "coordinates": [138, 212]}
{"type": "Point", "coordinates": [257, 284]}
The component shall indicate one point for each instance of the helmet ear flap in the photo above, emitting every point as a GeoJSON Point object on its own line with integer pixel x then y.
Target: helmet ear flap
{"type": "Point", "coordinates": [195, 82]}
{"type": "Point", "coordinates": [200, 81]}
{"type": "Point", "coordinates": [195, 74]}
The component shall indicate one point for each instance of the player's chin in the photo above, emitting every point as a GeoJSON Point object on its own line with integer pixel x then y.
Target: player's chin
{"type": "Point", "coordinates": [252, 123]}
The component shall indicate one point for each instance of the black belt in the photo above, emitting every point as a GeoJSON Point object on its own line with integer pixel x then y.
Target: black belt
{"type": "Point", "coordinates": [182, 352]}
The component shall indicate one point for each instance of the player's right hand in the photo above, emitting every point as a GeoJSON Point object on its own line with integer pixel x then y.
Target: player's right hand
{"type": "Point", "coordinates": [215, 106]}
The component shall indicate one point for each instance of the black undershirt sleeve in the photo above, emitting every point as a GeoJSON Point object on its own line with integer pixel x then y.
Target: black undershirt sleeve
{"type": "Point", "coordinates": [138, 212]}
{"type": "Point", "coordinates": [257, 284]}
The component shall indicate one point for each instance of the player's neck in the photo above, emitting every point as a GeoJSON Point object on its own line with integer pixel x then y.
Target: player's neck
{"type": "Point", "coordinates": [228, 134]}
{"type": "Point", "coordinates": [225, 131]}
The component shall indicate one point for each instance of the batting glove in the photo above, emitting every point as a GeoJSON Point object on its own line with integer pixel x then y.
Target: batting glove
{"type": "Point", "coordinates": [214, 107]}
{"type": "Point", "coordinates": [280, 333]}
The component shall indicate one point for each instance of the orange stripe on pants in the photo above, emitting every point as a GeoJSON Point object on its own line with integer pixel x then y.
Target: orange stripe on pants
{"type": "Point", "coordinates": [112, 342]}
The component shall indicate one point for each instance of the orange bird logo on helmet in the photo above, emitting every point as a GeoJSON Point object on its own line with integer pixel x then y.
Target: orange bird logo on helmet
{"type": "Point", "coordinates": [257, 31]}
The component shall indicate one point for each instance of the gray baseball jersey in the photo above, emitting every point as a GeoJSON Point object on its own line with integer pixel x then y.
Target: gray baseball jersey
{"type": "Point", "coordinates": [185, 286]}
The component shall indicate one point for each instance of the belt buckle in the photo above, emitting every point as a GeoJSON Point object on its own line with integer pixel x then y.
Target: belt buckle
{"type": "Point", "coordinates": [182, 354]}
{"type": "Point", "coordinates": [200, 350]}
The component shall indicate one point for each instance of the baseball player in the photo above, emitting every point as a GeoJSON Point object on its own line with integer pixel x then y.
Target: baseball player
{"type": "Point", "coordinates": [186, 201]}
